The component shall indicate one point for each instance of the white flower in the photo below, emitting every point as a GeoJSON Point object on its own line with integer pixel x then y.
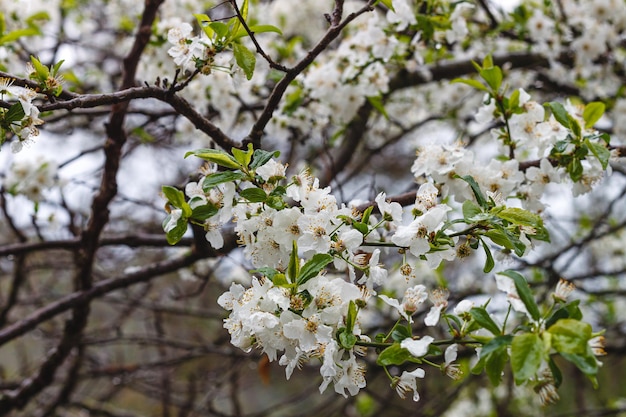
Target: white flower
{"type": "Point", "coordinates": [451, 369]}
{"type": "Point", "coordinates": [439, 298]}
{"type": "Point", "coordinates": [413, 298]}
{"type": "Point", "coordinates": [408, 382]}
{"type": "Point", "coordinates": [463, 307]}
{"type": "Point", "coordinates": [417, 348]}
{"type": "Point", "coordinates": [415, 235]}
{"type": "Point", "coordinates": [563, 290]}
{"type": "Point", "coordinates": [391, 211]}
{"type": "Point", "coordinates": [271, 169]}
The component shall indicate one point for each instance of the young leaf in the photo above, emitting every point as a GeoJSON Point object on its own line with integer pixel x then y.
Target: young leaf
{"type": "Point", "coordinates": [480, 315]}
{"type": "Point", "coordinates": [588, 364]}
{"type": "Point", "coordinates": [254, 195]}
{"type": "Point", "coordinates": [201, 213]}
{"type": "Point", "coordinates": [213, 155]}
{"type": "Point", "coordinates": [245, 59]}
{"type": "Point", "coordinates": [243, 157]}
{"type": "Point", "coordinates": [600, 152]}
{"type": "Point", "coordinates": [388, 4]}
{"type": "Point", "coordinates": [377, 103]}
{"type": "Point", "coordinates": [313, 267]}
{"type": "Point", "coordinates": [14, 114]}
{"type": "Point", "coordinates": [293, 269]}
{"type": "Point", "coordinates": [260, 157]}
{"type": "Point", "coordinates": [559, 112]}
{"type": "Point", "coordinates": [520, 217]}
{"type": "Point", "coordinates": [480, 198]}
{"type": "Point", "coordinates": [493, 77]}
{"type": "Point", "coordinates": [203, 22]}
{"type": "Point", "coordinates": [347, 340]}
{"type": "Point", "coordinates": [265, 28]}
{"type": "Point", "coordinates": [393, 355]}
{"type": "Point", "coordinates": [570, 336]}
{"type": "Point", "coordinates": [472, 83]}
{"type": "Point", "coordinates": [489, 262]}
{"type": "Point", "coordinates": [592, 113]}
{"type": "Point", "coordinates": [174, 235]}
{"type": "Point", "coordinates": [527, 353]}
{"type": "Point", "coordinates": [524, 292]}
{"type": "Point", "coordinates": [217, 178]}
{"type": "Point", "coordinates": [175, 196]}
{"type": "Point", "coordinates": [470, 211]}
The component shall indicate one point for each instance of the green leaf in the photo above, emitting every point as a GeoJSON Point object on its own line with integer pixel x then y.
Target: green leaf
{"type": "Point", "coordinates": [556, 372]}
{"type": "Point", "coordinates": [480, 198]}
{"type": "Point", "coordinates": [217, 178]}
{"type": "Point", "coordinates": [42, 71]}
{"type": "Point", "coordinates": [351, 316]}
{"type": "Point", "coordinates": [19, 33]}
{"type": "Point", "coordinates": [260, 157]}
{"type": "Point", "coordinates": [175, 196]}
{"type": "Point", "coordinates": [588, 364]}
{"type": "Point", "coordinates": [524, 292]}
{"type": "Point", "coordinates": [520, 217]}
{"type": "Point", "coordinates": [495, 344]}
{"type": "Point", "coordinates": [243, 157]}
{"type": "Point", "coordinates": [245, 59]}
{"type": "Point", "coordinates": [482, 317]}
{"type": "Point", "coordinates": [346, 339]}
{"type": "Point", "coordinates": [201, 213]}
{"type": "Point", "coordinates": [600, 152]}
{"type": "Point", "coordinates": [293, 269]}
{"type": "Point", "coordinates": [265, 29]}
{"type": "Point", "coordinates": [489, 262]}
{"type": "Point", "coordinates": [254, 195]}
{"type": "Point", "coordinates": [394, 355]}
{"type": "Point", "coordinates": [592, 113]}
{"type": "Point", "coordinates": [175, 234]}
{"type": "Point", "coordinates": [470, 211]}
{"type": "Point", "coordinates": [492, 76]}
{"type": "Point", "coordinates": [14, 114]}
{"type": "Point", "coordinates": [503, 237]}
{"type": "Point", "coordinates": [514, 100]}
{"type": "Point", "coordinates": [377, 103]}
{"type": "Point", "coordinates": [313, 267]}
{"type": "Point", "coordinates": [575, 170]}
{"type": "Point", "coordinates": [495, 365]}
{"type": "Point", "coordinates": [527, 353]}
{"type": "Point", "coordinates": [221, 158]}
{"type": "Point", "coordinates": [400, 332]}
{"type": "Point", "coordinates": [559, 112]}
{"type": "Point", "coordinates": [570, 336]}
{"type": "Point", "coordinates": [241, 33]}
{"type": "Point", "coordinates": [361, 227]}
{"type": "Point", "coordinates": [266, 271]}
{"type": "Point", "coordinates": [388, 4]}
{"type": "Point", "coordinates": [494, 357]}
{"type": "Point", "coordinates": [365, 219]}
{"type": "Point", "coordinates": [220, 29]}
{"type": "Point", "coordinates": [203, 22]}
{"type": "Point", "coordinates": [570, 310]}
{"type": "Point", "coordinates": [472, 83]}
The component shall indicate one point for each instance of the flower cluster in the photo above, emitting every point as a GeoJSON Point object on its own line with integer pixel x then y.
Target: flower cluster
{"type": "Point", "coordinates": [21, 118]}
{"type": "Point", "coordinates": [293, 230]}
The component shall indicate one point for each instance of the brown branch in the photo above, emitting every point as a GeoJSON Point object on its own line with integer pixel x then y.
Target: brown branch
{"type": "Point", "coordinates": [128, 93]}
{"type": "Point", "coordinates": [89, 239]}
{"type": "Point", "coordinates": [83, 297]}
{"type": "Point", "coordinates": [134, 240]}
